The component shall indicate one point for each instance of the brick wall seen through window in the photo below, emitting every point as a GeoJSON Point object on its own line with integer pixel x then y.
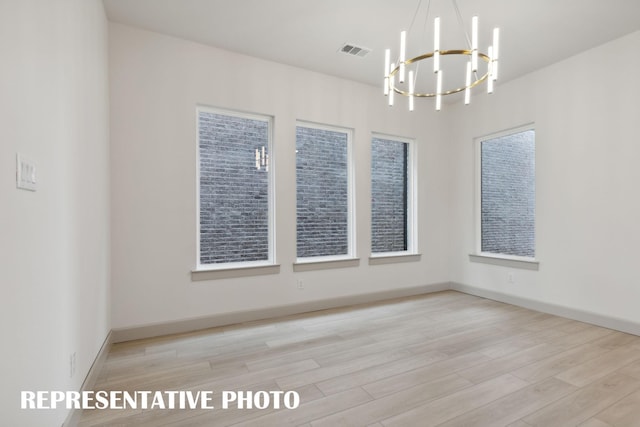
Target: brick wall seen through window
{"type": "Point", "coordinates": [322, 191]}
{"type": "Point", "coordinates": [389, 179]}
{"type": "Point", "coordinates": [508, 194]}
{"type": "Point", "coordinates": [234, 188]}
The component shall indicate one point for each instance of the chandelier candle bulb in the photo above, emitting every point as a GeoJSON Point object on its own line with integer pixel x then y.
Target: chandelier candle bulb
{"type": "Point", "coordinates": [467, 90]}
{"type": "Point", "coordinates": [474, 44]}
{"type": "Point", "coordinates": [411, 90]}
{"type": "Point", "coordinates": [392, 84]}
{"type": "Point", "coordinates": [436, 44]}
{"type": "Point", "coordinates": [496, 42]}
{"type": "Point", "coordinates": [496, 49]}
{"type": "Point", "coordinates": [489, 67]}
{"type": "Point", "coordinates": [474, 32]}
{"type": "Point", "coordinates": [490, 79]}
{"type": "Point", "coordinates": [403, 54]}
{"type": "Point", "coordinates": [439, 91]}
{"type": "Point", "coordinates": [387, 60]}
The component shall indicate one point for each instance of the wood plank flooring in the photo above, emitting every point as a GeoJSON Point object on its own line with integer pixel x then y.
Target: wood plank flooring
{"type": "Point", "coordinates": [444, 359]}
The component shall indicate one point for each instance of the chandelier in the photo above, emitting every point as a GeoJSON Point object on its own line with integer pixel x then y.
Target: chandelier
{"type": "Point", "coordinates": [401, 77]}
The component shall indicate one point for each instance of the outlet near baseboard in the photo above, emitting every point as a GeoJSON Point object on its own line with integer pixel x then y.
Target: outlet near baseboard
{"type": "Point", "coordinates": [72, 364]}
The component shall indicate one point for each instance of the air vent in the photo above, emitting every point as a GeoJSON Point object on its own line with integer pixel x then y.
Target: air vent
{"type": "Point", "coordinates": [353, 50]}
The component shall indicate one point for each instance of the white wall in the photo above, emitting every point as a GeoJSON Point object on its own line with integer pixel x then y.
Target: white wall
{"type": "Point", "coordinates": [54, 243]}
{"type": "Point", "coordinates": [156, 83]}
{"type": "Point", "coordinates": [586, 115]}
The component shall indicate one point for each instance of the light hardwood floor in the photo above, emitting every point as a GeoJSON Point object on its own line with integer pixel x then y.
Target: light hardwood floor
{"type": "Point", "coordinates": [443, 359]}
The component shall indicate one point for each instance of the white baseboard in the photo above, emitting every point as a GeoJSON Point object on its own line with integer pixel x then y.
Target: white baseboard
{"type": "Point", "coordinates": [189, 325]}
{"type": "Point", "coordinates": [194, 324]}
{"type": "Point", "coordinates": [73, 418]}
{"type": "Point", "coordinates": [609, 322]}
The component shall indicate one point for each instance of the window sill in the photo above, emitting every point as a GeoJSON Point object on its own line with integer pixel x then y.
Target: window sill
{"type": "Point", "coordinates": [232, 272]}
{"type": "Point", "coordinates": [393, 258]}
{"type": "Point", "coordinates": [324, 264]}
{"type": "Point", "coordinates": [506, 261]}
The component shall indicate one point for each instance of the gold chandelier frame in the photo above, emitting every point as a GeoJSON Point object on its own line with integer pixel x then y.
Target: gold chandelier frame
{"type": "Point", "coordinates": [395, 72]}
{"type": "Point", "coordinates": [422, 57]}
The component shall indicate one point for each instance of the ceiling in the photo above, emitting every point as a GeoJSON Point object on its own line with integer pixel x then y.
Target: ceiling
{"type": "Point", "coordinates": [309, 33]}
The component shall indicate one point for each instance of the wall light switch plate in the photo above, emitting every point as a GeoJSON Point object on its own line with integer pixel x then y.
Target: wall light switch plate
{"type": "Point", "coordinates": [25, 173]}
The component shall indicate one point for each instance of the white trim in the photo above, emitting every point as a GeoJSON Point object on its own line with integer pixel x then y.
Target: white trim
{"type": "Point", "coordinates": [351, 195]}
{"type": "Point", "coordinates": [505, 261]}
{"type": "Point", "coordinates": [477, 201]}
{"type": "Point", "coordinates": [205, 322]}
{"type": "Point", "coordinates": [242, 270]}
{"type": "Point", "coordinates": [391, 137]}
{"type": "Point", "coordinates": [318, 259]}
{"type": "Point", "coordinates": [325, 263]}
{"type": "Point", "coordinates": [271, 191]}
{"type": "Point", "coordinates": [412, 194]}
{"type": "Point", "coordinates": [506, 132]}
{"type": "Point", "coordinates": [477, 142]}
{"type": "Point", "coordinates": [351, 203]}
{"type": "Point", "coordinates": [271, 260]}
{"type": "Point", "coordinates": [231, 265]}
{"type": "Point", "coordinates": [602, 320]}
{"type": "Point", "coordinates": [193, 324]}
{"type": "Point", "coordinates": [412, 203]}
{"type": "Point", "coordinates": [382, 258]}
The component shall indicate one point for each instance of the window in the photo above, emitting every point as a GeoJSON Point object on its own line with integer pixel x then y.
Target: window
{"type": "Point", "coordinates": [234, 188]}
{"type": "Point", "coordinates": [323, 191]}
{"type": "Point", "coordinates": [391, 195]}
{"type": "Point", "coordinates": [507, 194]}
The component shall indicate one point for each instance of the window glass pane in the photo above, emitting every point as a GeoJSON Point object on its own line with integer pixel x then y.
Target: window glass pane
{"type": "Point", "coordinates": [508, 194]}
{"type": "Point", "coordinates": [322, 190]}
{"type": "Point", "coordinates": [389, 174]}
{"type": "Point", "coordinates": [234, 188]}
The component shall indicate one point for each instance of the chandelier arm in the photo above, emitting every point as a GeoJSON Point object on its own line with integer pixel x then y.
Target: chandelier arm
{"type": "Point", "coordinates": [426, 21]}
{"type": "Point", "coordinates": [415, 15]}
{"type": "Point", "coordinates": [424, 32]}
{"type": "Point", "coordinates": [461, 22]}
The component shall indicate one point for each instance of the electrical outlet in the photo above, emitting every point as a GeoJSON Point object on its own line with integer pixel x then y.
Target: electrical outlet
{"type": "Point", "coordinates": [72, 364]}
{"type": "Point", "coordinates": [510, 278]}
{"type": "Point", "coordinates": [300, 284]}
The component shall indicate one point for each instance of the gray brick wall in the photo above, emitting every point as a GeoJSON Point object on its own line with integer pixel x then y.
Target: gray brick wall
{"type": "Point", "coordinates": [321, 192]}
{"type": "Point", "coordinates": [234, 204]}
{"type": "Point", "coordinates": [388, 195]}
{"type": "Point", "coordinates": [508, 194]}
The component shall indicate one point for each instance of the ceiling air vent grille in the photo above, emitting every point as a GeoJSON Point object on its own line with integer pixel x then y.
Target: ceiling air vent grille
{"type": "Point", "coordinates": [353, 50]}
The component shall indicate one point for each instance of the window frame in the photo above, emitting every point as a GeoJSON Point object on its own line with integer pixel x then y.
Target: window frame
{"type": "Point", "coordinates": [334, 260]}
{"type": "Point", "coordinates": [242, 265]}
{"type": "Point", "coordinates": [412, 194]}
{"type": "Point", "coordinates": [490, 257]}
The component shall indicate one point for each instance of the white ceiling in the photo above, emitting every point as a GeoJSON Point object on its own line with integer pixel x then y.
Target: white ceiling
{"type": "Point", "coordinates": [308, 33]}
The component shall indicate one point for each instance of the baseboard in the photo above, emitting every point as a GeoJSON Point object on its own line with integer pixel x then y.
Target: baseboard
{"type": "Point", "coordinates": [189, 325]}
{"type": "Point", "coordinates": [194, 324]}
{"type": "Point", "coordinates": [73, 418]}
{"type": "Point", "coordinates": [609, 322]}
